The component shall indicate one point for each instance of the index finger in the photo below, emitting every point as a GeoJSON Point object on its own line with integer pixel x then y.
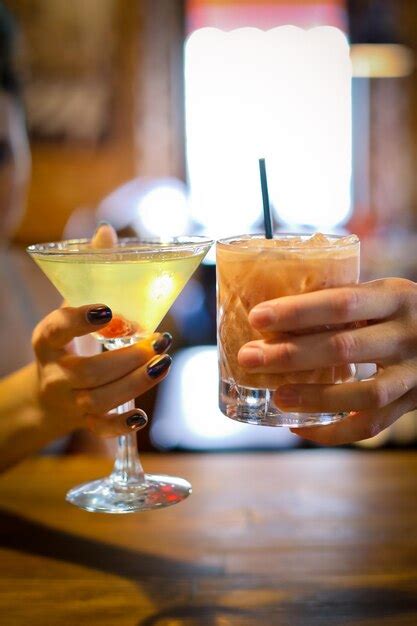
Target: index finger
{"type": "Point", "coordinates": [58, 328]}
{"type": "Point", "coordinates": [329, 307]}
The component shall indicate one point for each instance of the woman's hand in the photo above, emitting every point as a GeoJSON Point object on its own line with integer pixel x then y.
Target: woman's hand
{"type": "Point", "coordinates": [385, 313]}
{"type": "Point", "coordinates": [62, 391]}
{"type": "Point", "coordinates": [76, 391]}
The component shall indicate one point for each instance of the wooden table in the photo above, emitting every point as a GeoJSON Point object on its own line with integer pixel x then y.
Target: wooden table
{"type": "Point", "coordinates": [305, 538]}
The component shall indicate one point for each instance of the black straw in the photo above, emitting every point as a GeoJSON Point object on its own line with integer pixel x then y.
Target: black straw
{"type": "Point", "coordinates": [265, 200]}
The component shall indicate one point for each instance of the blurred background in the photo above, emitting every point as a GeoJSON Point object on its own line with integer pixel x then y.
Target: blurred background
{"type": "Point", "coordinates": [151, 114]}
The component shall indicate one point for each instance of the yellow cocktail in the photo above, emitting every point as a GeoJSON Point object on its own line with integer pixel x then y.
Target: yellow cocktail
{"type": "Point", "coordinates": [139, 280]}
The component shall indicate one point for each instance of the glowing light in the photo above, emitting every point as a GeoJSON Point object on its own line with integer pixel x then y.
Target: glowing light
{"type": "Point", "coordinates": [283, 94]}
{"type": "Point", "coordinates": [163, 209]}
{"type": "Point", "coordinates": [153, 206]}
{"type": "Point", "coordinates": [161, 287]}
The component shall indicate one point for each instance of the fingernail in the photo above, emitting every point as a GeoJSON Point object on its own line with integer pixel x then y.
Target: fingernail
{"type": "Point", "coordinates": [137, 420]}
{"type": "Point", "coordinates": [251, 357]}
{"type": "Point", "coordinates": [99, 225]}
{"type": "Point", "coordinates": [159, 366]}
{"type": "Point", "coordinates": [99, 315]}
{"type": "Point", "coordinates": [262, 316]}
{"type": "Point", "coordinates": [162, 343]}
{"type": "Point", "coordinates": [287, 396]}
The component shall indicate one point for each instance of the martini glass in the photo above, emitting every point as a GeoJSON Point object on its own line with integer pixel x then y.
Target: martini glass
{"type": "Point", "coordinates": [139, 280]}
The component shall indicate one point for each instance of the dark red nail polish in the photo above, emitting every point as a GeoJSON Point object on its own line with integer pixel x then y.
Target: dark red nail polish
{"type": "Point", "coordinates": [159, 366]}
{"type": "Point", "coordinates": [99, 315]}
{"type": "Point", "coordinates": [162, 343]}
{"type": "Point", "coordinates": [136, 420]}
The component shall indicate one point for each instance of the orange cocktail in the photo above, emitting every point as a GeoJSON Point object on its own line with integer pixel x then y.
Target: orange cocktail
{"type": "Point", "coordinates": [252, 269]}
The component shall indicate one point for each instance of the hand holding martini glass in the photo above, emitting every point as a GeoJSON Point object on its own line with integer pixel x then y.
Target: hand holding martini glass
{"type": "Point", "coordinates": [139, 280]}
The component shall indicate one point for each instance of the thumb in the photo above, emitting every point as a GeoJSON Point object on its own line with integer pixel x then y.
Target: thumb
{"type": "Point", "coordinates": [104, 237]}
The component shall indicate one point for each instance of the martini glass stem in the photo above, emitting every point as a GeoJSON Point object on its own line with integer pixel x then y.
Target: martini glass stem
{"type": "Point", "coordinates": [127, 469]}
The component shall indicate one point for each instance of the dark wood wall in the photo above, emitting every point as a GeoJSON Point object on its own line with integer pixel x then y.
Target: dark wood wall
{"type": "Point", "coordinates": [143, 77]}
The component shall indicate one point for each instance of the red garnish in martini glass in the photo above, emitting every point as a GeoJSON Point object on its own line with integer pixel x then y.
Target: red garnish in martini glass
{"type": "Point", "coordinates": [119, 327]}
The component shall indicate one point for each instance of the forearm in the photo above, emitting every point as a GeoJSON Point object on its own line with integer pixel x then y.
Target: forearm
{"type": "Point", "coordinates": [24, 428]}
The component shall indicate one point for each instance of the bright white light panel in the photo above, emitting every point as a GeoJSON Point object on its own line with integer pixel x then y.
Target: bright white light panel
{"type": "Point", "coordinates": [187, 416]}
{"type": "Point", "coordinates": [284, 94]}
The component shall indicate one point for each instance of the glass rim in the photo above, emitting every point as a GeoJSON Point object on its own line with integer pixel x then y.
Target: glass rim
{"type": "Point", "coordinates": [125, 245]}
{"type": "Point", "coordinates": [227, 241]}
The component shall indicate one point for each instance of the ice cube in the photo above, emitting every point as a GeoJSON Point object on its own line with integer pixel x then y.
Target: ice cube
{"type": "Point", "coordinates": [346, 241]}
{"type": "Point", "coordinates": [318, 240]}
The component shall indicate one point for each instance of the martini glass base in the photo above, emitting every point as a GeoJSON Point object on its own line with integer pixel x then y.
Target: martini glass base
{"type": "Point", "coordinates": [108, 496]}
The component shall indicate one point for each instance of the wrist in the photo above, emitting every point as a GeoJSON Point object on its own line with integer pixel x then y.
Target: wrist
{"type": "Point", "coordinates": [26, 426]}
{"type": "Point", "coordinates": [47, 419]}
